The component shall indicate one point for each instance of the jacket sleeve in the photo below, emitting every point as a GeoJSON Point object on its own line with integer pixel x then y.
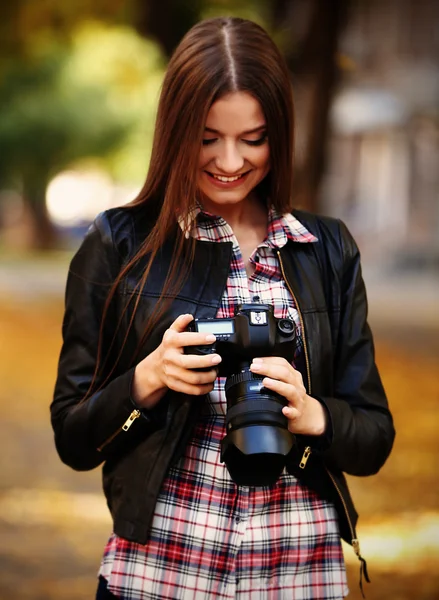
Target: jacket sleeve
{"type": "Point", "coordinates": [360, 420]}
{"type": "Point", "coordinates": [84, 419]}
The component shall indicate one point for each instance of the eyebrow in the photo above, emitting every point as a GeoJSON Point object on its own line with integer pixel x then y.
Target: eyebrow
{"type": "Point", "coordinates": [255, 130]}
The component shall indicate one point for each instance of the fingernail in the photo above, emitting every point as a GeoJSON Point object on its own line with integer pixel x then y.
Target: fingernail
{"type": "Point", "coordinates": [258, 361]}
{"type": "Point", "coordinates": [210, 338]}
{"type": "Point", "coordinates": [216, 358]}
{"type": "Point", "coordinates": [256, 366]}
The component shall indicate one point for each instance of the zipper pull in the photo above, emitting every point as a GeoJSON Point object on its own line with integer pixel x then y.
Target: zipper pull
{"type": "Point", "coordinates": [305, 456]}
{"type": "Point", "coordinates": [133, 416]}
{"type": "Point", "coordinates": [363, 565]}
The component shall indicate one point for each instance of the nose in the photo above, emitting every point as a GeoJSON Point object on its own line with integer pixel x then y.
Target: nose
{"type": "Point", "coordinates": [229, 160]}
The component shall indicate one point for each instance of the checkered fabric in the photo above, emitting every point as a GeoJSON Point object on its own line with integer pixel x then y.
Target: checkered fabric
{"type": "Point", "coordinates": [211, 538]}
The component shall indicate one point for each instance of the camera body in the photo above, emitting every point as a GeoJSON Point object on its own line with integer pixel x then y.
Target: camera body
{"type": "Point", "coordinates": [253, 332]}
{"type": "Point", "coordinates": [257, 439]}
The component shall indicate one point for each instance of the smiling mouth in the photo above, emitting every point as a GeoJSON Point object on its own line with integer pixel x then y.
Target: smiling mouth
{"type": "Point", "coordinates": [225, 179]}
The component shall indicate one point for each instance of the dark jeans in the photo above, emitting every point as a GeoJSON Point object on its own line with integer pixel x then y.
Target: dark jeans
{"type": "Point", "coordinates": [102, 592]}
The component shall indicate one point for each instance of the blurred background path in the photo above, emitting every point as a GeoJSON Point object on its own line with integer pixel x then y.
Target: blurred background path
{"type": "Point", "coordinates": [403, 307]}
{"type": "Point", "coordinates": [54, 522]}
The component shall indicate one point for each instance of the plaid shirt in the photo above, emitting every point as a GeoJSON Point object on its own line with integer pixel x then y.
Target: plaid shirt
{"type": "Point", "coordinates": [211, 538]}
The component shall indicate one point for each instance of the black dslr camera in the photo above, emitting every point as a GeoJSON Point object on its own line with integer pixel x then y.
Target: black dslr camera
{"type": "Point", "coordinates": [257, 439]}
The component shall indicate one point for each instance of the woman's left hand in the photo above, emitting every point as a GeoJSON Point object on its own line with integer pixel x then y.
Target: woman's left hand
{"type": "Point", "coordinates": [305, 414]}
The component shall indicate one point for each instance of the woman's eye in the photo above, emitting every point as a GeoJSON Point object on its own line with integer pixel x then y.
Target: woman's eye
{"type": "Point", "coordinates": [257, 142]}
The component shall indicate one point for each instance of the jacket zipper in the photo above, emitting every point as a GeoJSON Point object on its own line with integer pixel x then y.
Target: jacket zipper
{"type": "Point", "coordinates": [354, 541]}
{"type": "Point", "coordinates": [308, 450]}
{"type": "Point", "coordinates": [133, 416]}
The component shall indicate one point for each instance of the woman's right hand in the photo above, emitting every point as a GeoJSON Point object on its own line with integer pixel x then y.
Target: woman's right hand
{"type": "Point", "coordinates": [168, 367]}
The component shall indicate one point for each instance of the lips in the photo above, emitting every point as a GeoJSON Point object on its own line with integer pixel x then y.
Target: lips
{"type": "Point", "coordinates": [226, 181]}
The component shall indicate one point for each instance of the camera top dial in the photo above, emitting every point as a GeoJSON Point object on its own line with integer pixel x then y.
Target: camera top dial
{"type": "Point", "coordinates": [286, 327]}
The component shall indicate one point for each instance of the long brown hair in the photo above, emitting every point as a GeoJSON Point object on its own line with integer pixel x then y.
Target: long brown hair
{"type": "Point", "coordinates": [215, 57]}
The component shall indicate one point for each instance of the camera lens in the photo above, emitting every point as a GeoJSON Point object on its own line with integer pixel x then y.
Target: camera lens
{"type": "Point", "coordinates": [257, 439]}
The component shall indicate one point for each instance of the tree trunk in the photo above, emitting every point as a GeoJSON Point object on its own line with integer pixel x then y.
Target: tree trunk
{"type": "Point", "coordinates": [166, 20]}
{"type": "Point", "coordinates": [314, 67]}
{"type": "Point", "coordinates": [44, 235]}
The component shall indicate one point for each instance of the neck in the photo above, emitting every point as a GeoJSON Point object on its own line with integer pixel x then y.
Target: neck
{"type": "Point", "coordinates": [251, 212]}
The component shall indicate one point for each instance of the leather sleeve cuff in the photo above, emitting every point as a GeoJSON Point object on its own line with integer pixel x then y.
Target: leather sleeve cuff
{"type": "Point", "coordinates": [322, 442]}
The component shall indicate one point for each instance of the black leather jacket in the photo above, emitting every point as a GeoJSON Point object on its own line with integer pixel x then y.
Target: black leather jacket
{"type": "Point", "coordinates": [138, 448]}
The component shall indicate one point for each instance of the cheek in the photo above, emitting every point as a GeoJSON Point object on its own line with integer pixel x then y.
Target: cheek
{"type": "Point", "coordinates": [205, 157]}
{"type": "Point", "coordinates": [262, 160]}
{"type": "Point", "coordinates": [264, 164]}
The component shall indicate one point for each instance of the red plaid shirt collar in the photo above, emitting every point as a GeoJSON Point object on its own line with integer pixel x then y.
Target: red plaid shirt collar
{"type": "Point", "coordinates": [281, 228]}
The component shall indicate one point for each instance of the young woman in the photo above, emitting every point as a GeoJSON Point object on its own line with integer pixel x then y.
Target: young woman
{"type": "Point", "coordinates": [213, 229]}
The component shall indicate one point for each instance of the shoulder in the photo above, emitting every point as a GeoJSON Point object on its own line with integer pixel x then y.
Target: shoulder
{"type": "Point", "coordinates": [120, 230]}
{"type": "Point", "coordinates": [321, 226]}
{"type": "Point", "coordinates": [334, 238]}
{"type": "Point", "coordinates": [112, 239]}
{"type": "Point", "coordinates": [117, 223]}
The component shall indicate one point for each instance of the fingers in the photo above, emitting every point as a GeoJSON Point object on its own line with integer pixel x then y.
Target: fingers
{"type": "Point", "coordinates": [181, 322]}
{"type": "Point", "coordinates": [191, 368]}
{"type": "Point", "coordinates": [188, 381]}
{"type": "Point", "coordinates": [305, 414]}
{"type": "Point", "coordinates": [187, 338]}
{"type": "Point", "coordinates": [192, 390]}
{"type": "Point", "coordinates": [181, 372]}
{"type": "Point", "coordinates": [194, 361]}
{"type": "Point", "coordinates": [175, 373]}
{"type": "Point", "coordinates": [291, 413]}
{"type": "Point", "coordinates": [294, 416]}
{"type": "Point", "coordinates": [293, 394]}
{"type": "Point", "coordinates": [282, 378]}
{"type": "Point", "coordinates": [277, 368]}
{"type": "Point", "coordinates": [177, 335]}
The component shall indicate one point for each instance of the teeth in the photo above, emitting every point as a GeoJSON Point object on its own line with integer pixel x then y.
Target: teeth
{"type": "Point", "coordinates": [226, 179]}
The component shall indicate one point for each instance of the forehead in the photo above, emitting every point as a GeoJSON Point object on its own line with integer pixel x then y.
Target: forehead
{"type": "Point", "coordinates": [235, 112]}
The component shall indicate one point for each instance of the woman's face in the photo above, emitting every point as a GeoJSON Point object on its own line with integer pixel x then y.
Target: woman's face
{"type": "Point", "coordinates": [235, 155]}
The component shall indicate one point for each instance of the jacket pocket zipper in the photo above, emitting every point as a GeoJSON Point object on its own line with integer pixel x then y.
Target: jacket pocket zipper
{"type": "Point", "coordinates": [133, 416]}
{"type": "Point", "coordinates": [305, 456]}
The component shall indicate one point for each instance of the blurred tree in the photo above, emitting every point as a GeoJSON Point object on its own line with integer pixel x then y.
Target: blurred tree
{"type": "Point", "coordinates": [308, 31]}
{"type": "Point", "coordinates": [22, 20]}
{"type": "Point", "coordinates": [153, 19]}
{"type": "Point", "coordinates": [130, 70]}
{"type": "Point", "coordinates": [45, 125]}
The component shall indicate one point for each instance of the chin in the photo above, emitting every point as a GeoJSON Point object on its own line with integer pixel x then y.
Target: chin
{"type": "Point", "coordinates": [231, 196]}
{"type": "Point", "coordinates": [223, 199]}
